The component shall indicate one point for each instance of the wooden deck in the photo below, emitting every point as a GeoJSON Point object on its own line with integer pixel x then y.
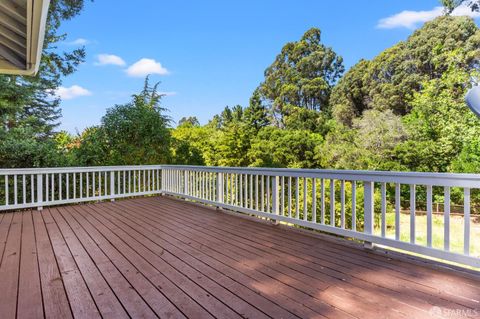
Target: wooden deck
{"type": "Point", "coordinates": [161, 257]}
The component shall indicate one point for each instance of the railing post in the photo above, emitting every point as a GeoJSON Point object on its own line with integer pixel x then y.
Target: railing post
{"type": "Point", "coordinates": [112, 185]}
{"type": "Point", "coordinates": [39, 191]}
{"type": "Point", "coordinates": [276, 197]}
{"type": "Point", "coordinates": [368, 188]}
{"type": "Point", "coordinates": [185, 182]}
{"type": "Point", "coordinates": [220, 188]}
{"type": "Point", "coordinates": [162, 181]}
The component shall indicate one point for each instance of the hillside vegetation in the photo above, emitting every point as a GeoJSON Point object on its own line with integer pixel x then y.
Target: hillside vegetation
{"type": "Point", "coordinates": [402, 110]}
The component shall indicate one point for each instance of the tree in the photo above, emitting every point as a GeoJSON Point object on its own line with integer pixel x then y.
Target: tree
{"type": "Point", "coordinates": [28, 100]}
{"type": "Point", "coordinates": [193, 144]}
{"type": "Point", "coordinates": [468, 161]}
{"type": "Point", "coordinates": [19, 148]}
{"type": "Point", "coordinates": [377, 134]}
{"type": "Point", "coordinates": [274, 147]}
{"type": "Point", "coordinates": [389, 81]}
{"type": "Point", "coordinates": [137, 132]}
{"type": "Point", "coordinates": [302, 75]}
{"type": "Point", "coordinates": [440, 126]}
{"type": "Point", "coordinates": [256, 114]}
{"type": "Point", "coordinates": [191, 120]}
{"type": "Point", "coordinates": [28, 111]}
{"type": "Point", "coordinates": [92, 148]}
{"type": "Point", "coordinates": [350, 96]}
{"type": "Point", "coordinates": [450, 5]}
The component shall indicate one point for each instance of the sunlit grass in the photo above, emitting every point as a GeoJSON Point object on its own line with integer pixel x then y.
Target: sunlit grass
{"type": "Point", "coordinates": [456, 231]}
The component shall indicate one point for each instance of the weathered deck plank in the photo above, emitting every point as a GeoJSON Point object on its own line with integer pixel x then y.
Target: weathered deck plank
{"type": "Point", "coordinates": [161, 257]}
{"type": "Point", "coordinates": [30, 304]}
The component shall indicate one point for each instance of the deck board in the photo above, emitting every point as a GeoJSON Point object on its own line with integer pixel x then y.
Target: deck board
{"type": "Point", "coordinates": [30, 304]}
{"type": "Point", "coordinates": [162, 257]}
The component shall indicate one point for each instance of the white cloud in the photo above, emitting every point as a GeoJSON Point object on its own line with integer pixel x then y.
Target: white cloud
{"type": "Point", "coordinates": [411, 19]}
{"type": "Point", "coordinates": [145, 67]}
{"type": "Point", "coordinates": [79, 41]}
{"type": "Point", "coordinates": [105, 59]}
{"type": "Point", "coordinates": [68, 93]}
{"type": "Point", "coordinates": [465, 11]}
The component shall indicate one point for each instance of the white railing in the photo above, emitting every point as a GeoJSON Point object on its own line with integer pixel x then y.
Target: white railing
{"type": "Point", "coordinates": [363, 205]}
{"type": "Point", "coordinates": [33, 187]}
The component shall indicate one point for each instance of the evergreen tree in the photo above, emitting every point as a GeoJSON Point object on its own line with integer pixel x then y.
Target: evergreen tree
{"type": "Point", "coordinates": [302, 76]}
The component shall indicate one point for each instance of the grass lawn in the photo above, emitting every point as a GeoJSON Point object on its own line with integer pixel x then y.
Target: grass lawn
{"type": "Point", "coordinates": [456, 231]}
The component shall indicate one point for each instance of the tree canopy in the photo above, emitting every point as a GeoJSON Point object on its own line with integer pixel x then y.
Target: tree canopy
{"type": "Point", "coordinates": [29, 112]}
{"type": "Point", "coordinates": [302, 76]}
{"type": "Point", "coordinates": [401, 110]}
{"type": "Point", "coordinates": [390, 80]}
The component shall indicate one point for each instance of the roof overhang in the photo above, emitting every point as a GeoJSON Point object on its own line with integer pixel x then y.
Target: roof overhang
{"type": "Point", "coordinates": [22, 31]}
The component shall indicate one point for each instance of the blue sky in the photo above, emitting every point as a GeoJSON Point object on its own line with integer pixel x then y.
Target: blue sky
{"type": "Point", "coordinates": [209, 54]}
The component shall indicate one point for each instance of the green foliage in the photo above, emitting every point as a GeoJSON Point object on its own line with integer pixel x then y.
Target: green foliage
{"type": "Point", "coordinates": [137, 132]}
{"type": "Point", "coordinates": [390, 80]}
{"type": "Point", "coordinates": [92, 148]}
{"type": "Point", "coordinates": [274, 147]}
{"type": "Point", "coordinates": [450, 5]}
{"type": "Point", "coordinates": [440, 124]}
{"type": "Point", "coordinates": [192, 144]}
{"type": "Point", "coordinates": [256, 114]}
{"type": "Point", "coordinates": [403, 110]}
{"type": "Point", "coordinates": [302, 75]}
{"type": "Point", "coordinates": [468, 161]}
{"type": "Point", "coordinates": [28, 111]}
{"type": "Point", "coordinates": [20, 147]}
{"type": "Point", "coordinates": [191, 120]}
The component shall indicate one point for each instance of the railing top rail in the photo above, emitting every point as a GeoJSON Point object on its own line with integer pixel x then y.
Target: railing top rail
{"type": "Point", "coordinates": [47, 170]}
{"type": "Point", "coordinates": [421, 178]}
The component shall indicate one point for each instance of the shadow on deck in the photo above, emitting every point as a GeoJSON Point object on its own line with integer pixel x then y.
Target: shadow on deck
{"type": "Point", "coordinates": [161, 257]}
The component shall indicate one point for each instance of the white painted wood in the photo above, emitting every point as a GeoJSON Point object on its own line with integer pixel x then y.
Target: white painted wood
{"type": "Point", "coordinates": [212, 185]}
{"type": "Point", "coordinates": [314, 200]}
{"type": "Point", "coordinates": [52, 191]}
{"type": "Point", "coordinates": [251, 191]}
{"type": "Point", "coordinates": [332, 202]}
{"type": "Point", "coordinates": [429, 216]}
{"type": "Point", "coordinates": [412, 213]}
{"type": "Point", "coordinates": [446, 217]}
{"type": "Point", "coordinates": [67, 176]}
{"type": "Point", "coordinates": [322, 201]}
{"type": "Point", "coordinates": [220, 188]}
{"type": "Point", "coordinates": [39, 191]}
{"type": "Point", "coordinates": [466, 221]}
{"type": "Point", "coordinates": [15, 190]}
{"type": "Point", "coordinates": [289, 196]}
{"type": "Point", "coordinates": [397, 211]}
{"type": "Point", "coordinates": [305, 203]}
{"type": "Point", "coordinates": [32, 188]}
{"type": "Point", "coordinates": [269, 180]}
{"type": "Point", "coordinates": [46, 198]}
{"type": "Point", "coordinates": [342, 204]}
{"type": "Point", "coordinates": [256, 193]}
{"type": "Point", "coordinates": [383, 196]}
{"type": "Point", "coordinates": [387, 242]}
{"type": "Point", "coordinates": [297, 198]}
{"type": "Point", "coordinates": [241, 190]}
{"type": "Point", "coordinates": [112, 184]}
{"type": "Point", "coordinates": [368, 208]}
{"type": "Point", "coordinates": [24, 190]}
{"type": "Point", "coordinates": [354, 205]}
{"type": "Point", "coordinates": [276, 195]}
{"type": "Point", "coordinates": [282, 195]}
